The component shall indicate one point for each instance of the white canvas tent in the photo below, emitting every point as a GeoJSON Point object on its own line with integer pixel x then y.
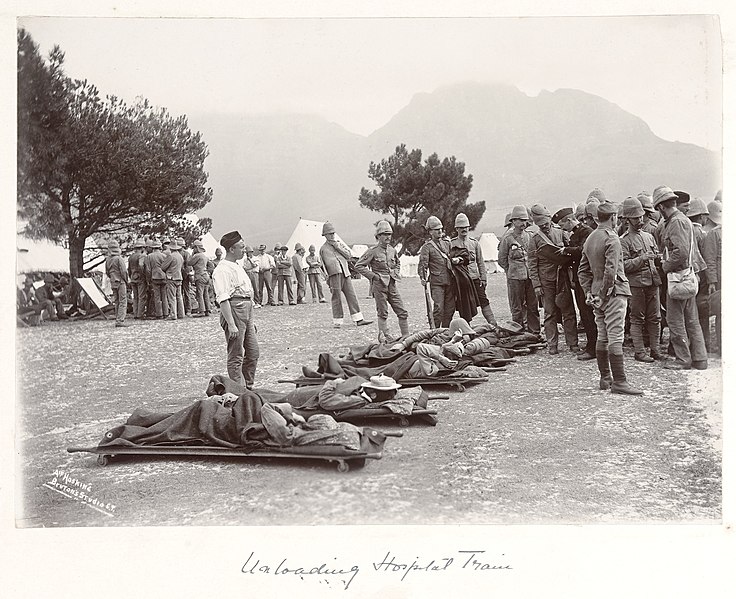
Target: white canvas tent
{"type": "Point", "coordinates": [40, 256]}
{"type": "Point", "coordinates": [308, 232]}
{"type": "Point", "coordinates": [489, 247]}
{"type": "Point", "coordinates": [210, 245]}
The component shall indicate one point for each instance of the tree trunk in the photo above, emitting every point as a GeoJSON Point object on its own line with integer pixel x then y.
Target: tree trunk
{"type": "Point", "coordinates": [76, 264]}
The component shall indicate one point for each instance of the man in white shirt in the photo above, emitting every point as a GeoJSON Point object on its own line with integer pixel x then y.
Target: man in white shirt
{"type": "Point", "coordinates": [234, 294]}
{"type": "Point", "coordinates": [265, 263]}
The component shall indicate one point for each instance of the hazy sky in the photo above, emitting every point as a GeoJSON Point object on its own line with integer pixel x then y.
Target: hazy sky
{"type": "Point", "coordinates": [360, 72]}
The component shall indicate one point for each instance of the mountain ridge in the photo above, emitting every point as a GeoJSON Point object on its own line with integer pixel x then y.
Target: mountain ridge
{"type": "Point", "coordinates": [268, 170]}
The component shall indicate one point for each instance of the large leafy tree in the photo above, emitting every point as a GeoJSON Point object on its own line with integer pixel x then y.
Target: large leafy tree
{"type": "Point", "coordinates": [90, 166]}
{"type": "Point", "coordinates": [408, 191]}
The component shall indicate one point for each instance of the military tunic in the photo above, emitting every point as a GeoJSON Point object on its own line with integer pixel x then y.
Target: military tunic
{"type": "Point", "coordinates": [382, 267]}
{"type": "Point", "coordinates": [601, 273]}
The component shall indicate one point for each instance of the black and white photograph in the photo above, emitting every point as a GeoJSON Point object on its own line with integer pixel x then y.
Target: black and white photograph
{"type": "Point", "coordinates": [359, 273]}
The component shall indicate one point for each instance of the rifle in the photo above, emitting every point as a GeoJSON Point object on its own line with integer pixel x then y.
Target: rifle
{"type": "Point", "coordinates": [429, 305]}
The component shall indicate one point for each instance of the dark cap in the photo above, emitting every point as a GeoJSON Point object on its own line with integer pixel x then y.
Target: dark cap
{"type": "Point", "coordinates": [560, 214]}
{"type": "Point", "coordinates": [228, 240]}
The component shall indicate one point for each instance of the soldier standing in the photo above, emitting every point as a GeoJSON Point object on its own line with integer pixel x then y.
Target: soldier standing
{"type": "Point", "coordinates": [297, 262]}
{"type": "Point", "coordinates": [137, 276]}
{"type": "Point", "coordinates": [476, 266]}
{"type": "Point", "coordinates": [250, 266]}
{"type": "Point", "coordinates": [380, 265]}
{"type": "Point", "coordinates": [578, 234]}
{"type": "Point", "coordinates": [118, 275]}
{"type": "Point", "coordinates": [158, 280]}
{"type": "Point", "coordinates": [172, 268]}
{"type": "Point", "coordinates": [512, 257]}
{"type": "Point", "coordinates": [548, 269]}
{"type": "Point", "coordinates": [283, 267]}
{"type": "Point", "coordinates": [334, 255]}
{"type": "Point", "coordinates": [435, 267]}
{"type": "Point", "coordinates": [678, 245]}
{"type": "Point", "coordinates": [314, 271]}
{"type": "Point", "coordinates": [266, 265]}
{"type": "Point", "coordinates": [201, 278]}
{"type": "Point", "coordinates": [640, 266]}
{"type": "Point", "coordinates": [601, 274]}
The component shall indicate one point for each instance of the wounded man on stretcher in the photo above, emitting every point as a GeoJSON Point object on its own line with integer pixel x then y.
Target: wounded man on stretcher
{"type": "Point", "coordinates": [257, 419]}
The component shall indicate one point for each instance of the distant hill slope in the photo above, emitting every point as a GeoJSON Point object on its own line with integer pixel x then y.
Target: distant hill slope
{"type": "Point", "coordinates": [267, 171]}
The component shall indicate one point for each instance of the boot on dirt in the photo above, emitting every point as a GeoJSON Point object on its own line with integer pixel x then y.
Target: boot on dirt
{"type": "Point", "coordinates": [620, 384]}
{"type": "Point", "coordinates": [604, 368]}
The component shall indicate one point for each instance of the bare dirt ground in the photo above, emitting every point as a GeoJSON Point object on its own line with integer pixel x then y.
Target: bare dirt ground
{"type": "Point", "coordinates": [538, 443]}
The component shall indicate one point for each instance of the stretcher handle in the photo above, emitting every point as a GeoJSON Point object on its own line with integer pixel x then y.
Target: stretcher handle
{"type": "Point", "coordinates": [431, 397]}
{"type": "Point", "coordinates": [392, 433]}
{"type": "Point", "coordinates": [77, 449]}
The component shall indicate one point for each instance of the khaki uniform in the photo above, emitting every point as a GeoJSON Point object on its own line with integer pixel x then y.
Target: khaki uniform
{"type": "Point", "coordinates": [381, 266]}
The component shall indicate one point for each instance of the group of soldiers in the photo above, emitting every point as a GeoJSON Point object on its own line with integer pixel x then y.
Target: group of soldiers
{"type": "Point", "coordinates": [166, 280]}
{"type": "Point", "coordinates": [622, 266]}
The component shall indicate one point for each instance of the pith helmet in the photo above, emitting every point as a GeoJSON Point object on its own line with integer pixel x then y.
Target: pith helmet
{"type": "Point", "coordinates": [433, 223]}
{"type": "Point", "coordinates": [327, 228]}
{"type": "Point", "coordinates": [696, 207]}
{"type": "Point", "coordinates": [715, 212]}
{"type": "Point", "coordinates": [383, 226]}
{"type": "Point", "coordinates": [632, 208]}
{"type": "Point", "coordinates": [298, 247]}
{"type": "Point", "coordinates": [139, 243]}
{"type": "Point", "coordinates": [519, 212]}
{"type": "Point", "coordinates": [461, 220]}
{"type": "Point", "coordinates": [662, 194]}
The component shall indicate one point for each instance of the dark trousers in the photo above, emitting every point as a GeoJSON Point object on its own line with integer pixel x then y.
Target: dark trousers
{"type": "Point", "coordinates": [285, 280]}
{"type": "Point", "coordinates": [551, 313]}
{"type": "Point", "coordinates": [587, 319]}
{"type": "Point", "coordinates": [523, 304]}
{"type": "Point", "coordinates": [645, 316]}
{"type": "Point", "coordinates": [265, 279]}
{"type": "Point", "coordinates": [160, 303]}
{"type": "Point", "coordinates": [701, 301]}
{"type": "Point", "coordinates": [443, 298]}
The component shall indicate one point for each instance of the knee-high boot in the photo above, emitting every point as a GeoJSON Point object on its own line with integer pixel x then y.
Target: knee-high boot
{"type": "Point", "coordinates": [620, 384]}
{"type": "Point", "coordinates": [604, 368]}
{"type": "Point", "coordinates": [404, 326]}
{"type": "Point", "coordinates": [488, 315]}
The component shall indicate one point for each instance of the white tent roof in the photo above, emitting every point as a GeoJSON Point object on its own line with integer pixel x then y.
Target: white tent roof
{"type": "Point", "coordinates": [489, 246]}
{"type": "Point", "coordinates": [34, 256]}
{"type": "Point", "coordinates": [308, 232]}
{"type": "Point", "coordinates": [210, 245]}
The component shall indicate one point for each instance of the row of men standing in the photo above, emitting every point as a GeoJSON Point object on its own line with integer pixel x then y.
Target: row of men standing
{"type": "Point", "coordinates": [262, 266]}
{"type": "Point", "coordinates": [542, 267]}
{"type": "Point", "coordinates": [162, 276]}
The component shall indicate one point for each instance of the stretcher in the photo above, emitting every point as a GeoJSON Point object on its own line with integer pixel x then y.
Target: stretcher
{"type": "Point", "coordinates": [371, 447]}
{"type": "Point", "coordinates": [426, 415]}
{"type": "Point", "coordinates": [456, 382]}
